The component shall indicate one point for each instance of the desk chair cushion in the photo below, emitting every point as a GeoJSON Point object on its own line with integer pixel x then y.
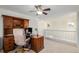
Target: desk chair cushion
{"type": "Point", "coordinates": [19, 36]}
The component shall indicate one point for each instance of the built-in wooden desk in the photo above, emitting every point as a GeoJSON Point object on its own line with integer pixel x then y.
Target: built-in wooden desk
{"type": "Point", "coordinates": [37, 43]}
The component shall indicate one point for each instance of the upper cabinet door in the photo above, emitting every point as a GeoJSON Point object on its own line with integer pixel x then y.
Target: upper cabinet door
{"type": "Point", "coordinates": [18, 23]}
{"type": "Point", "coordinates": [26, 23]}
{"type": "Point", "coordinates": [8, 22]}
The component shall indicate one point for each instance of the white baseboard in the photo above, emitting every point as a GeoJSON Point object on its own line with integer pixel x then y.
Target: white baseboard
{"type": "Point", "coordinates": [62, 41]}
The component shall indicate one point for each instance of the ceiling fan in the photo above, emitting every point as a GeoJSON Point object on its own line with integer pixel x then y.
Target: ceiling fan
{"type": "Point", "coordinates": [39, 10]}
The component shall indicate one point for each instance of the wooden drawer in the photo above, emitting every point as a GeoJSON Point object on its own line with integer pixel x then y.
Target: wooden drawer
{"type": "Point", "coordinates": [9, 47]}
{"type": "Point", "coordinates": [8, 31]}
{"type": "Point", "coordinates": [8, 39]}
{"type": "Point", "coordinates": [8, 43]}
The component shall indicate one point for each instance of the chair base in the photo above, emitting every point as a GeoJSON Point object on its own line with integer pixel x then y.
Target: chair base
{"type": "Point", "coordinates": [22, 50]}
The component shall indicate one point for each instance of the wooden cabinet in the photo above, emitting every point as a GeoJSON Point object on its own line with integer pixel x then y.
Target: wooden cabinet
{"type": "Point", "coordinates": [18, 23]}
{"type": "Point", "coordinates": [26, 23]}
{"type": "Point", "coordinates": [10, 22]}
{"type": "Point", "coordinates": [37, 43]}
{"type": "Point", "coordinates": [8, 43]}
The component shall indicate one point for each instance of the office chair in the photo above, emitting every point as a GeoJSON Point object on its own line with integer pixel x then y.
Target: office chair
{"type": "Point", "coordinates": [20, 38]}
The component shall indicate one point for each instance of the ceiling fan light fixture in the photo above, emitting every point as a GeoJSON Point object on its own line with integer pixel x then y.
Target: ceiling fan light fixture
{"type": "Point", "coordinates": [39, 12]}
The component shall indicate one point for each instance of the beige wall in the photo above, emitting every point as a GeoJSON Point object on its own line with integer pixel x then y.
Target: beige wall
{"type": "Point", "coordinates": [62, 22]}
{"type": "Point", "coordinates": [62, 28]}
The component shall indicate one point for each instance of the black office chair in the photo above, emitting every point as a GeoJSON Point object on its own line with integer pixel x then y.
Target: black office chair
{"type": "Point", "coordinates": [28, 33]}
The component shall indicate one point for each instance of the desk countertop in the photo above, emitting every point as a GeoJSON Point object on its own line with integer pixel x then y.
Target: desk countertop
{"type": "Point", "coordinates": [35, 36]}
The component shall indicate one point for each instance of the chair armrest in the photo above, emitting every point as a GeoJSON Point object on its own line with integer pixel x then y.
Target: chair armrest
{"type": "Point", "coordinates": [27, 39]}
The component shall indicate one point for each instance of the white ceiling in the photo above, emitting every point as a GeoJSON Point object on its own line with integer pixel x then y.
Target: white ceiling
{"type": "Point", "coordinates": [55, 9]}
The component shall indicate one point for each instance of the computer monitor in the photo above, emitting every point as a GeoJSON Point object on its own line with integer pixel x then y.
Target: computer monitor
{"type": "Point", "coordinates": [29, 29]}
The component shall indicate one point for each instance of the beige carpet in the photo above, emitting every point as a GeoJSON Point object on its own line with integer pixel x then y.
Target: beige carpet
{"type": "Point", "coordinates": [55, 47]}
{"type": "Point", "coordinates": [58, 47]}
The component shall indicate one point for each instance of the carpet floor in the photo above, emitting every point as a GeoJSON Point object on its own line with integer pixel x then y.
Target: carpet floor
{"type": "Point", "coordinates": [54, 47]}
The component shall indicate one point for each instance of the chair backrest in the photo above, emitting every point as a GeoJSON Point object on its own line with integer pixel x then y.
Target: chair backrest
{"type": "Point", "coordinates": [19, 36]}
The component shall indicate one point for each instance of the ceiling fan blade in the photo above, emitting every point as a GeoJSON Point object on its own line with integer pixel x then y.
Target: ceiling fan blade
{"type": "Point", "coordinates": [38, 7]}
{"type": "Point", "coordinates": [45, 13]}
{"type": "Point", "coordinates": [47, 9]}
